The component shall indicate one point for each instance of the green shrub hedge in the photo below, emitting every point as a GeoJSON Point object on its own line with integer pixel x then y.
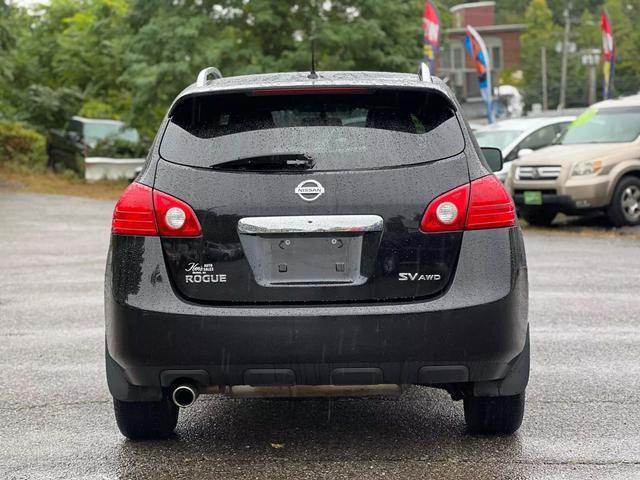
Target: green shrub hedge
{"type": "Point", "coordinates": [21, 145]}
{"type": "Point", "coordinates": [119, 148]}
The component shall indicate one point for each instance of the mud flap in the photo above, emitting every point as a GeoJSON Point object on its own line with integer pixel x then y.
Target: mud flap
{"type": "Point", "coordinates": [122, 390]}
{"type": "Point", "coordinates": [514, 383]}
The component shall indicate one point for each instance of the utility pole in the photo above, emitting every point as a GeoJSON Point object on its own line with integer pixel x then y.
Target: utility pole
{"type": "Point", "coordinates": [591, 59]}
{"type": "Point", "coordinates": [565, 55]}
{"type": "Point", "coordinates": [545, 94]}
{"type": "Point", "coordinates": [592, 84]}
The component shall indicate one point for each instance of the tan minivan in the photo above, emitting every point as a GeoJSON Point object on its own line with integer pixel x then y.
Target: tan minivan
{"type": "Point", "coordinates": [594, 165]}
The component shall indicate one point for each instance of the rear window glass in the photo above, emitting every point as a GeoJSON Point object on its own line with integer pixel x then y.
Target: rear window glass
{"type": "Point", "coordinates": [354, 129]}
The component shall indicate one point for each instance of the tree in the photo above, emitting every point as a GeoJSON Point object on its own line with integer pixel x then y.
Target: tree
{"type": "Point", "coordinates": [7, 41]}
{"type": "Point", "coordinates": [173, 40]}
{"type": "Point", "coordinates": [510, 11]}
{"type": "Point", "coordinates": [577, 6]}
{"type": "Point", "coordinates": [9, 33]}
{"type": "Point", "coordinates": [541, 32]}
{"type": "Point", "coordinates": [67, 53]}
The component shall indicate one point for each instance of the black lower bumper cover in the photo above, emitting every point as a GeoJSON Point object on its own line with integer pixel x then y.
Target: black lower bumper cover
{"type": "Point", "coordinates": [484, 345]}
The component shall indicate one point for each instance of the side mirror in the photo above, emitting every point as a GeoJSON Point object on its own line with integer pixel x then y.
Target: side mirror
{"type": "Point", "coordinates": [73, 136]}
{"type": "Point", "coordinates": [523, 152]}
{"type": "Point", "coordinates": [493, 156]}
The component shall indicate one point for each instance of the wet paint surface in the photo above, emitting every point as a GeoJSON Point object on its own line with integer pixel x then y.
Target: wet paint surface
{"type": "Point", "coordinates": [582, 418]}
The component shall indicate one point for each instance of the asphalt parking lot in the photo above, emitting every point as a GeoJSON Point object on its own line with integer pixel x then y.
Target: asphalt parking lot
{"type": "Point", "coordinates": [56, 420]}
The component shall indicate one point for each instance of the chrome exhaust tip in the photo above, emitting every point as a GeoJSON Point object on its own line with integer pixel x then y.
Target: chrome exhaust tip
{"type": "Point", "coordinates": [184, 395]}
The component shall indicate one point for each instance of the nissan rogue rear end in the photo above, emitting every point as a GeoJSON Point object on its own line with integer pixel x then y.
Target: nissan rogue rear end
{"type": "Point", "coordinates": [296, 236]}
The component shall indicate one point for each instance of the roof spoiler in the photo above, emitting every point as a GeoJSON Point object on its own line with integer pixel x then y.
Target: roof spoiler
{"type": "Point", "coordinates": [424, 74]}
{"type": "Point", "coordinates": [203, 76]}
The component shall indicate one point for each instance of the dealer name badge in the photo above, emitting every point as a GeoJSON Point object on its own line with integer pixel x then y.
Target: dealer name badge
{"type": "Point", "coordinates": [196, 273]}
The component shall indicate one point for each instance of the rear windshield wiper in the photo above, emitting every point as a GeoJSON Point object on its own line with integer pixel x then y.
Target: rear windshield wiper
{"type": "Point", "coordinates": [284, 162]}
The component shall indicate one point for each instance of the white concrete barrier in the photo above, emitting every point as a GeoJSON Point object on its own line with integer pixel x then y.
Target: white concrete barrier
{"type": "Point", "coordinates": [104, 168]}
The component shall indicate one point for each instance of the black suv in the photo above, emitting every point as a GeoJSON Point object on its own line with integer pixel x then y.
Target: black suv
{"type": "Point", "coordinates": [294, 234]}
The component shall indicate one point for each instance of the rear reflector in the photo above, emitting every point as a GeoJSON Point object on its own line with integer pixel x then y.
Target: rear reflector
{"type": "Point", "coordinates": [481, 204]}
{"type": "Point", "coordinates": [300, 91]}
{"type": "Point", "coordinates": [133, 214]}
{"type": "Point", "coordinates": [142, 210]}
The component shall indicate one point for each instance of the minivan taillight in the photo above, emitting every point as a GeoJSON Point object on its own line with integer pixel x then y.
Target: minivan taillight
{"type": "Point", "coordinates": [142, 210]}
{"type": "Point", "coordinates": [484, 203]}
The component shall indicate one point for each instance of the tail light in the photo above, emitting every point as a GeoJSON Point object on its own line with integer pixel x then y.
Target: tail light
{"type": "Point", "coordinates": [133, 214]}
{"type": "Point", "coordinates": [142, 210]}
{"type": "Point", "coordinates": [481, 204]}
{"type": "Point", "coordinates": [174, 217]}
{"type": "Point", "coordinates": [432, 220]}
{"type": "Point", "coordinates": [490, 205]}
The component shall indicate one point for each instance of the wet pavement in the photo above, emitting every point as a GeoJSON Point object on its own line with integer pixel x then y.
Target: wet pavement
{"type": "Point", "coordinates": [56, 420]}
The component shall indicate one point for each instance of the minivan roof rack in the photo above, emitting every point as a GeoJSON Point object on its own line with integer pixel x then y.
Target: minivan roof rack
{"type": "Point", "coordinates": [203, 76]}
{"type": "Point", "coordinates": [424, 74]}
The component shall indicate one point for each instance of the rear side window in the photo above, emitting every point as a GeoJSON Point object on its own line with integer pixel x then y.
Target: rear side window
{"type": "Point", "coordinates": [338, 129]}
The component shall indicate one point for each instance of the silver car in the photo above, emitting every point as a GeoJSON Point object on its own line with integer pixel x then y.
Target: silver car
{"type": "Point", "coordinates": [520, 136]}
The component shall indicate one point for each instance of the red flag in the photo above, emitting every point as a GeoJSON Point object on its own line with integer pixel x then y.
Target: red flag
{"type": "Point", "coordinates": [608, 55]}
{"type": "Point", "coordinates": [431, 29]}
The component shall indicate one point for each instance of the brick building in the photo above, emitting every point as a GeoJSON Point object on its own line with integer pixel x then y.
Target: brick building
{"type": "Point", "coordinates": [503, 45]}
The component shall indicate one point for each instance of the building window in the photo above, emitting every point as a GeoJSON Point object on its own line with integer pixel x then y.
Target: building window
{"type": "Point", "coordinates": [445, 55]}
{"type": "Point", "coordinates": [496, 58]}
{"type": "Point", "coordinates": [458, 58]}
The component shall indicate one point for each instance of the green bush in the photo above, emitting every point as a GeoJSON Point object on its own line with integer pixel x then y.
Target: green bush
{"type": "Point", "coordinates": [21, 145]}
{"type": "Point", "coordinates": [119, 148]}
{"type": "Point", "coordinates": [96, 109]}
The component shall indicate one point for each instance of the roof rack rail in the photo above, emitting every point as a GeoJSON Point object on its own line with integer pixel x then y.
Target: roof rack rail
{"type": "Point", "coordinates": [203, 76]}
{"type": "Point", "coordinates": [424, 74]}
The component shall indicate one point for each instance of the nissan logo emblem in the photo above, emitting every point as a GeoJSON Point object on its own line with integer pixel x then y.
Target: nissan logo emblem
{"type": "Point", "coordinates": [309, 190]}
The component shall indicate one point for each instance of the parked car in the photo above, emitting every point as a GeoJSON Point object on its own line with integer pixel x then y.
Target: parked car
{"type": "Point", "coordinates": [520, 136]}
{"type": "Point", "coordinates": [595, 166]}
{"type": "Point", "coordinates": [273, 245]}
{"type": "Point", "coordinates": [474, 126]}
{"type": "Point", "coordinates": [95, 148]}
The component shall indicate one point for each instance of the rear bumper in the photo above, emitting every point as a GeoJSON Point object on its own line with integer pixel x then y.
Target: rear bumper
{"type": "Point", "coordinates": [475, 332]}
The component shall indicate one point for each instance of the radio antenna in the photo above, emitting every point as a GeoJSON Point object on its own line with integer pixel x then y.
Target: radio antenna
{"type": "Point", "coordinates": [313, 75]}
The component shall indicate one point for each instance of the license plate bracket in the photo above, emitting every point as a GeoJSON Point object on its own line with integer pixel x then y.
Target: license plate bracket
{"type": "Point", "coordinates": [308, 259]}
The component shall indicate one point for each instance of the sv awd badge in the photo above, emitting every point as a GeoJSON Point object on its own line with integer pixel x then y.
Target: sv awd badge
{"type": "Point", "coordinates": [404, 277]}
{"type": "Point", "coordinates": [309, 190]}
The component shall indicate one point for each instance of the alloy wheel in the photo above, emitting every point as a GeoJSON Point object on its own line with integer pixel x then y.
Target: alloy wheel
{"type": "Point", "coordinates": [630, 200]}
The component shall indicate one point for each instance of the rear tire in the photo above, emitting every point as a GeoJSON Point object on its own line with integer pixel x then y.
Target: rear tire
{"type": "Point", "coordinates": [625, 207]}
{"type": "Point", "coordinates": [494, 415]}
{"type": "Point", "coordinates": [146, 420]}
{"type": "Point", "coordinates": [539, 218]}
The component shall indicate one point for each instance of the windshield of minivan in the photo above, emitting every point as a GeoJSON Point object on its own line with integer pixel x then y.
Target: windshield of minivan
{"type": "Point", "coordinates": [363, 129]}
{"type": "Point", "coordinates": [607, 125]}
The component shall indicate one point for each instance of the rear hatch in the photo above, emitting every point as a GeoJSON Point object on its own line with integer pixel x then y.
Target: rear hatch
{"type": "Point", "coordinates": [311, 196]}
